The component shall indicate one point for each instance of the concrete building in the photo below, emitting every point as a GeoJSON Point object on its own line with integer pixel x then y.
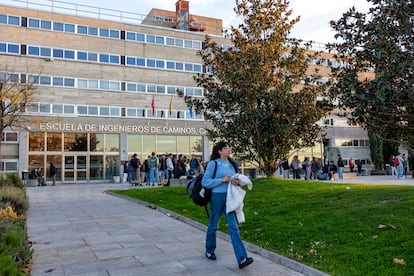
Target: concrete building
{"type": "Point", "coordinates": [109, 85]}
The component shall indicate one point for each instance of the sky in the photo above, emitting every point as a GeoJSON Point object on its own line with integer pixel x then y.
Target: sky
{"type": "Point", "coordinates": [313, 25]}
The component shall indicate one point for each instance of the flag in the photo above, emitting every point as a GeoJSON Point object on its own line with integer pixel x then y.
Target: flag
{"type": "Point", "coordinates": [170, 106]}
{"type": "Point", "coordinates": [153, 106]}
{"type": "Point", "coordinates": [190, 110]}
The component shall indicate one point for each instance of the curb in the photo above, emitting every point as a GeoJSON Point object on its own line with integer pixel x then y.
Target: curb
{"type": "Point", "coordinates": [286, 262]}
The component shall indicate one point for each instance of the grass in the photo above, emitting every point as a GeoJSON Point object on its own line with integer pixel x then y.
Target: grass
{"type": "Point", "coordinates": [340, 229]}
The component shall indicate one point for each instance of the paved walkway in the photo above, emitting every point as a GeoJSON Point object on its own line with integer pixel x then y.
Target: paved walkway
{"type": "Point", "coordinates": [80, 230]}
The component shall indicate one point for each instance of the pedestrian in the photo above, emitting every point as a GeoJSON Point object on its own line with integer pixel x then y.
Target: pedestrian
{"type": "Point", "coordinates": [52, 171]}
{"type": "Point", "coordinates": [134, 165]}
{"type": "Point", "coordinates": [400, 166]}
{"type": "Point", "coordinates": [195, 165]}
{"type": "Point", "coordinates": [223, 168]}
{"type": "Point", "coordinates": [295, 165]}
{"type": "Point", "coordinates": [284, 163]}
{"type": "Point", "coordinates": [170, 168]}
{"type": "Point", "coordinates": [340, 165]}
{"type": "Point", "coordinates": [153, 166]}
{"type": "Point", "coordinates": [315, 168]}
{"type": "Point", "coordinates": [127, 174]}
{"type": "Point", "coordinates": [163, 169]}
{"type": "Point", "coordinates": [351, 165]}
{"type": "Point", "coordinates": [308, 168]}
{"type": "Point", "coordinates": [412, 163]}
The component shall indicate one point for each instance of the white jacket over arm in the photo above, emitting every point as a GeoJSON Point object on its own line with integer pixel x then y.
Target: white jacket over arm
{"type": "Point", "coordinates": [235, 196]}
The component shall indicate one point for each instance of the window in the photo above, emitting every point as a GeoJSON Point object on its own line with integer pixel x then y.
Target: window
{"type": "Point", "coordinates": [188, 67]}
{"type": "Point", "coordinates": [82, 83]}
{"type": "Point", "coordinates": [57, 26]}
{"type": "Point", "coordinates": [82, 55]}
{"type": "Point", "coordinates": [141, 62]}
{"type": "Point", "coordinates": [45, 80]}
{"type": "Point", "coordinates": [44, 108]}
{"type": "Point", "coordinates": [93, 31]}
{"type": "Point", "coordinates": [171, 90]}
{"type": "Point", "coordinates": [3, 19]}
{"type": "Point", "coordinates": [131, 112]}
{"type": "Point", "coordinates": [188, 44]}
{"type": "Point", "coordinates": [150, 38]}
{"type": "Point", "coordinates": [3, 47]}
{"type": "Point", "coordinates": [131, 86]}
{"type": "Point", "coordinates": [189, 92]}
{"type": "Point", "coordinates": [160, 89]}
{"type": "Point", "coordinates": [179, 42]}
{"type": "Point", "coordinates": [34, 51]}
{"type": "Point", "coordinates": [69, 109]}
{"type": "Point", "coordinates": [47, 25]}
{"type": "Point", "coordinates": [141, 87]}
{"type": "Point", "coordinates": [197, 45]}
{"type": "Point", "coordinates": [14, 20]}
{"type": "Point", "coordinates": [170, 65]}
{"type": "Point", "coordinates": [115, 111]}
{"type": "Point", "coordinates": [141, 37]}
{"type": "Point", "coordinates": [34, 23]}
{"type": "Point", "coordinates": [82, 109]}
{"type": "Point", "coordinates": [130, 36]}
{"type": "Point", "coordinates": [151, 88]}
{"type": "Point", "coordinates": [103, 32]}
{"type": "Point", "coordinates": [150, 62]}
{"type": "Point", "coordinates": [103, 58]}
{"type": "Point", "coordinates": [93, 110]}
{"type": "Point", "coordinates": [69, 28]}
{"type": "Point", "coordinates": [82, 29]}
{"type": "Point", "coordinates": [104, 110]}
{"type": "Point", "coordinates": [198, 92]}
{"type": "Point", "coordinates": [159, 40]}
{"type": "Point", "coordinates": [13, 48]}
{"type": "Point", "coordinates": [57, 81]}
{"type": "Point", "coordinates": [104, 84]}
{"type": "Point", "coordinates": [33, 79]}
{"type": "Point", "coordinates": [114, 59]}
{"type": "Point", "coordinates": [179, 66]}
{"type": "Point", "coordinates": [45, 52]}
{"type": "Point", "coordinates": [57, 108]}
{"type": "Point", "coordinates": [93, 84]}
{"type": "Point", "coordinates": [170, 41]}
{"type": "Point", "coordinates": [92, 56]}
{"type": "Point", "coordinates": [197, 68]}
{"type": "Point", "coordinates": [114, 34]}
{"type": "Point", "coordinates": [10, 137]}
{"type": "Point", "coordinates": [160, 64]}
{"type": "Point", "coordinates": [69, 54]}
{"type": "Point", "coordinates": [69, 82]}
{"type": "Point", "coordinates": [114, 85]}
{"type": "Point", "coordinates": [58, 53]}
{"type": "Point", "coordinates": [131, 61]}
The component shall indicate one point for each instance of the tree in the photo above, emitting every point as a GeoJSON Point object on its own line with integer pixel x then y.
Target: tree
{"type": "Point", "coordinates": [379, 42]}
{"type": "Point", "coordinates": [15, 96]}
{"type": "Point", "coordinates": [260, 94]}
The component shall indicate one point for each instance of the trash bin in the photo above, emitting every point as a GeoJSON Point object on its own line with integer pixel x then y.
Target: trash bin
{"type": "Point", "coordinates": [117, 179]}
{"type": "Point", "coordinates": [25, 175]}
{"type": "Point", "coordinates": [252, 173]}
{"type": "Point", "coordinates": [387, 169]}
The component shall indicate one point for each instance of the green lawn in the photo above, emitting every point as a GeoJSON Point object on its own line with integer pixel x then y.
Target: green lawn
{"type": "Point", "coordinates": [341, 229]}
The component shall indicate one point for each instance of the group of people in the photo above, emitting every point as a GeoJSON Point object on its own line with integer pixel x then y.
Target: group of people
{"type": "Point", "coordinates": [316, 168]}
{"type": "Point", "coordinates": [156, 171]}
{"type": "Point", "coordinates": [399, 165]}
{"type": "Point", "coordinates": [37, 174]}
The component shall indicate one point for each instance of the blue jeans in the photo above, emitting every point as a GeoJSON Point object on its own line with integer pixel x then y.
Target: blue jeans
{"type": "Point", "coordinates": [164, 175]}
{"type": "Point", "coordinates": [217, 208]}
{"type": "Point", "coordinates": [340, 175]}
{"type": "Point", "coordinates": [154, 176]}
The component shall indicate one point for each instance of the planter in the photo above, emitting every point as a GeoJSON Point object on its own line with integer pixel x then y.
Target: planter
{"type": "Point", "coordinates": [117, 179]}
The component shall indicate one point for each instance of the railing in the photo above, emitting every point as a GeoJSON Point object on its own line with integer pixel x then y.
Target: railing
{"type": "Point", "coordinates": [105, 14]}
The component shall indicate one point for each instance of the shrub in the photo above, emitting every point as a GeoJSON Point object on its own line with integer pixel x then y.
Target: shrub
{"type": "Point", "coordinates": [11, 180]}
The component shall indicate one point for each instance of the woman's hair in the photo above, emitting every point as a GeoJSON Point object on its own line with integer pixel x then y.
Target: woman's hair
{"type": "Point", "coordinates": [215, 154]}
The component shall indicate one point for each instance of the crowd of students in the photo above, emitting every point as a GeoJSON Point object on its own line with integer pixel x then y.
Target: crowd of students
{"type": "Point", "coordinates": [157, 171]}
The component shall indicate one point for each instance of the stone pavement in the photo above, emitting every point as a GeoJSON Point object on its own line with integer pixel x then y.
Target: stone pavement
{"type": "Point", "coordinates": [78, 229]}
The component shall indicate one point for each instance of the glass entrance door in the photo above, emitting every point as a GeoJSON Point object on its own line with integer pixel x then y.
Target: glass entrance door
{"type": "Point", "coordinates": [75, 168]}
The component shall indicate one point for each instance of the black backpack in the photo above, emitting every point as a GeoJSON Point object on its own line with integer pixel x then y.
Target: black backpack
{"type": "Point", "coordinates": [196, 192]}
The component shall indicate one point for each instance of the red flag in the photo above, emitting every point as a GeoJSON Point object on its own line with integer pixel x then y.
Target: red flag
{"type": "Point", "coordinates": [170, 106]}
{"type": "Point", "coordinates": [153, 106]}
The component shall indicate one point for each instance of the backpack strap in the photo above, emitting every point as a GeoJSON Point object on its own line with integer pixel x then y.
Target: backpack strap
{"type": "Point", "coordinates": [214, 176]}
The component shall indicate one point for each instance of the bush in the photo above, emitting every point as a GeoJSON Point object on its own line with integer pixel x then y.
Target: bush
{"type": "Point", "coordinates": [11, 180]}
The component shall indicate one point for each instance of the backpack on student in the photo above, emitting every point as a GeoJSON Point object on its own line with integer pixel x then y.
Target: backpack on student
{"type": "Point", "coordinates": [200, 195]}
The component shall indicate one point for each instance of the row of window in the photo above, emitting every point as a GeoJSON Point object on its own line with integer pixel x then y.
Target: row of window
{"type": "Point", "coordinates": [110, 111]}
{"type": "Point", "coordinates": [67, 54]}
{"type": "Point", "coordinates": [36, 23]}
{"type": "Point", "coordinates": [351, 143]}
{"type": "Point", "coordinates": [69, 82]}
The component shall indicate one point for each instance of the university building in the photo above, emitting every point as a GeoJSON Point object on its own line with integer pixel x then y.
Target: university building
{"type": "Point", "coordinates": [107, 85]}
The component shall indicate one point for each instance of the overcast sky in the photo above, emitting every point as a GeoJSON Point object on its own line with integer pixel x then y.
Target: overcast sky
{"type": "Point", "coordinates": [314, 24]}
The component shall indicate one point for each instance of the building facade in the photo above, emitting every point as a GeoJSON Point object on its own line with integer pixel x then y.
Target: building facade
{"type": "Point", "coordinates": [106, 89]}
